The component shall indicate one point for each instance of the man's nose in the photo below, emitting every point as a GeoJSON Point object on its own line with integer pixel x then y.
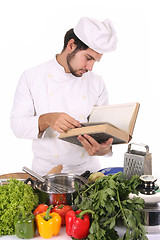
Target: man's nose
{"type": "Point", "coordinates": [89, 65]}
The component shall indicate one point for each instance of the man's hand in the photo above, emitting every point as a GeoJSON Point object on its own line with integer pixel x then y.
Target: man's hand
{"type": "Point", "coordinates": [93, 147]}
{"type": "Point", "coordinates": [60, 122]}
{"type": "Point", "coordinates": [56, 169]}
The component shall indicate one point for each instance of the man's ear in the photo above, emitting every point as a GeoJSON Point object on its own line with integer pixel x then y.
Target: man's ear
{"type": "Point", "coordinates": [71, 46]}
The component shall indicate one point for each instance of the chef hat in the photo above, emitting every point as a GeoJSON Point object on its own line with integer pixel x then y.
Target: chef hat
{"type": "Point", "coordinates": [99, 36]}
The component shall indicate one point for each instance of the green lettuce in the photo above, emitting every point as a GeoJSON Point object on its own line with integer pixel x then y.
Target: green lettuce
{"type": "Point", "coordinates": [15, 197]}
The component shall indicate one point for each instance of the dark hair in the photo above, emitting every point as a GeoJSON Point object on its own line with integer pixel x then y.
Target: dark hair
{"type": "Point", "coordinates": [71, 35]}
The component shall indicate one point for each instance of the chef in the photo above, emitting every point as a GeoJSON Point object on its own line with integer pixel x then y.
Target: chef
{"type": "Point", "coordinates": [60, 94]}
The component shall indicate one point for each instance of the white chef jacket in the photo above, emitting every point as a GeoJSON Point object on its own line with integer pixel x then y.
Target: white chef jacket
{"type": "Point", "coordinates": [48, 88]}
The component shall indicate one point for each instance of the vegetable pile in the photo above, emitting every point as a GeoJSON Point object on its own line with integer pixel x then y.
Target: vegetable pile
{"type": "Point", "coordinates": [15, 197]}
{"type": "Point", "coordinates": [109, 198]}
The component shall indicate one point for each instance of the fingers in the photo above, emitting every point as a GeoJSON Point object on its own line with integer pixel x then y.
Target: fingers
{"type": "Point", "coordinates": [63, 126]}
{"type": "Point", "coordinates": [109, 141]}
{"type": "Point", "coordinates": [72, 122]}
{"type": "Point", "coordinates": [89, 144]}
{"type": "Point", "coordinates": [62, 122]}
{"type": "Point", "coordinates": [56, 169]}
{"type": "Point", "coordinates": [93, 147]}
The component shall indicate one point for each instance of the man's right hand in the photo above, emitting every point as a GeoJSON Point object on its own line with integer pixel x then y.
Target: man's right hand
{"type": "Point", "coordinates": [58, 121]}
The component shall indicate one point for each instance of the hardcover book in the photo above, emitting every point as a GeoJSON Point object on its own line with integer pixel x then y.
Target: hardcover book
{"type": "Point", "coordinates": [112, 121]}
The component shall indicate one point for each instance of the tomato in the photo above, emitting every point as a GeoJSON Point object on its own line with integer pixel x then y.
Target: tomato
{"type": "Point", "coordinates": [57, 199]}
{"type": "Point", "coordinates": [62, 211]}
{"type": "Point", "coordinates": [40, 209]}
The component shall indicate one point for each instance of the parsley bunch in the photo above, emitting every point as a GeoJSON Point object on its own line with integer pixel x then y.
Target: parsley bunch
{"type": "Point", "coordinates": [109, 198]}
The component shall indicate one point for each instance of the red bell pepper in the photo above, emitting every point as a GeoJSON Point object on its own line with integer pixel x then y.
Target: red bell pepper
{"type": "Point", "coordinates": [62, 211]}
{"type": "Point", "coordinates": [40, 209]}
{"type": "Point", "coordinates": [78, 223]}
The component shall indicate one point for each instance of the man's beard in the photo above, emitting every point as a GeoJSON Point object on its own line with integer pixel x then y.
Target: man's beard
{"type": "Point", "coordinates": [69, 58]}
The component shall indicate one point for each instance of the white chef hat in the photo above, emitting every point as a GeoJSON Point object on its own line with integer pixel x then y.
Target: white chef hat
{"type": "Point", "coordinates": [99, 36]}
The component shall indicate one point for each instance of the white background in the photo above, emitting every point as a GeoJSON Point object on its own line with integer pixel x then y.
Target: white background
{"type": "Point", "coordinates": [32, 31]}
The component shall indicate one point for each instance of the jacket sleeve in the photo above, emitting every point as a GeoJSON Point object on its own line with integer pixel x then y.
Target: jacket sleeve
{"type": "Point", "coordinates": [103, 95]}
{"type": "Point", "coordinates": [24, 122]}
{"type": "Point", "coordinates": [102, 92]}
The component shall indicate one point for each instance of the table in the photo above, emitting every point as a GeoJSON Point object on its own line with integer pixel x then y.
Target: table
{"type": "Point", "coordinates": [62, 236]}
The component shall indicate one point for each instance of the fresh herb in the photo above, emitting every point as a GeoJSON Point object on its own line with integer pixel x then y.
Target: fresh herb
{"type": "Point", "coordinates": [109, 198]}
{"type": "Point", "coordinates": [15, 197]}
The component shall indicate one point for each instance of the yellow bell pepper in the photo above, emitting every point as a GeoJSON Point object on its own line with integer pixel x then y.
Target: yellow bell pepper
{"type": "Point", "coordinates": [48, 224]}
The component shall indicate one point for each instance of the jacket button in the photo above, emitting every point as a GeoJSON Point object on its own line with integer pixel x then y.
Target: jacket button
{"type": "Point", "coordinates": [82, 154]}
{"type": "Point", "coordinates": [81, 117]}
{"type": "Point", "coordinates": [56, 156]}
{"type": "Point", "coordinates": [50, 75]}
{"type": "Point", "coordinates": [51, 94]}
{"type": "Point", "coordinates": [54, 135]}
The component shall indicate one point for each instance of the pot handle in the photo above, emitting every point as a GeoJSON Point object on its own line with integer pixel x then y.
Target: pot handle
{"type": "Point", "coordinates": [29, 180]}
{"type": "Point", "coordinates": [86, 174]}
{"type": "Point", "coordinates": [33, 174]}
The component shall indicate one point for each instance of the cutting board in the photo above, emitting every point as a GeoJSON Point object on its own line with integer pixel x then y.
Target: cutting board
{"type": "Point", "coordinates": [22, 175]}
{"type": "Point", "coordinates": [19, 175]}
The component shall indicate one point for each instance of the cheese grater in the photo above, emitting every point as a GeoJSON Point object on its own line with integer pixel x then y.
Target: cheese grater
{"type": "Point", "coordinates": [137, 162]}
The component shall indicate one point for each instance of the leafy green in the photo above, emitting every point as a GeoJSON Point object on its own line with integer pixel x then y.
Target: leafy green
{"type": "Point", "coordinates": [109, 198]}
{"type": "Point", "coordinates": [15, 197]}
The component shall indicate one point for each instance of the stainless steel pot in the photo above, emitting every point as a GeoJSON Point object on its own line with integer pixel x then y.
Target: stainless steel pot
{"type": "Point", "coordinates": [48, 197]}
{"type": "Point", "coordinates": [152, 217]}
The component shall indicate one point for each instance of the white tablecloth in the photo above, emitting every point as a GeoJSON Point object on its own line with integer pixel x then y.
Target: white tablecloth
{"type": "Point", "coordinates": [62, 236]}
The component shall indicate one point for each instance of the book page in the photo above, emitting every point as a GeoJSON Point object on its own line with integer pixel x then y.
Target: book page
{"type": "Point", "coordinates": [120, 115]}
{"type": "Point", "coordinates": [86, 124]}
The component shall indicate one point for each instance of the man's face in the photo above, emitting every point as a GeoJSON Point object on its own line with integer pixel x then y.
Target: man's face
{"type": "Point", "coordinates": [82, 61]}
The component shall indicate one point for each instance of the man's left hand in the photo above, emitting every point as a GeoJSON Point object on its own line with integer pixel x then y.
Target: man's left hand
{"type": "Point", "coordinates": [93, 147]}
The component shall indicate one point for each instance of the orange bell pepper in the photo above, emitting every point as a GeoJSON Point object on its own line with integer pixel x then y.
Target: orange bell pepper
{"type": "Point", "coordinates": [48, 224]}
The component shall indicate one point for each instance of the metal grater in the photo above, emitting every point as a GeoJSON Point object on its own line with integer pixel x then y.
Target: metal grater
{"type": "Point", "coordinates": [137, 162]}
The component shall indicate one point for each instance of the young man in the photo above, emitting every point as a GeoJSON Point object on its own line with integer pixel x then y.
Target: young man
{"type": "Point", "coordinates": [59, 94]}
